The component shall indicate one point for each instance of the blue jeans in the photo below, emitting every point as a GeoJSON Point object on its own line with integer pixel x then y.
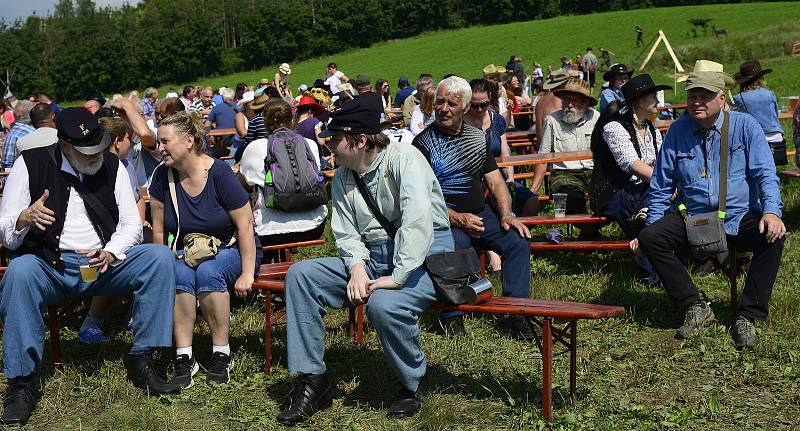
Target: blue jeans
{"type": "Point", "coordinates": [30, 284]}
{"type": "Point", "coordinates": [312, 285]}
{"type": "Point", "coordinates": [213, 275]}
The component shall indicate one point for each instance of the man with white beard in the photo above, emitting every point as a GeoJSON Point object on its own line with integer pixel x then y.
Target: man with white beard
{"type": "Point", "coordinates": [570, 129]}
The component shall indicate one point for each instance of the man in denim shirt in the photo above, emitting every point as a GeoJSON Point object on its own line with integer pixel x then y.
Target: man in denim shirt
{"type": "Point", "coordinates": [689, 163]}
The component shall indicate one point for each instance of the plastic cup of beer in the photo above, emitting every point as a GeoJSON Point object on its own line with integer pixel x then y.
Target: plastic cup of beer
{"type": "Point", "coordinates": [88, 273]}
{"type": "Point", "coordinates": [560, 204]}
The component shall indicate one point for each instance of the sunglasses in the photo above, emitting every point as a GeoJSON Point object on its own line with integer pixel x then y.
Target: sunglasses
{"type": "Point", "coordinates": [482, 105]}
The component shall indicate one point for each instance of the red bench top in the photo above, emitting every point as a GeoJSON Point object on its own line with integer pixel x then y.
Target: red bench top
{"type": "Point", "coordinates": [536, 307]}
{"type": "Point", "coordinates": [319, 241]}
{"type": "Point", "coordinates": [581, 245]}
{"type": "Point", "coordinates": [790, 173]}
{"type": "Point", "coordinates": [571, 218]}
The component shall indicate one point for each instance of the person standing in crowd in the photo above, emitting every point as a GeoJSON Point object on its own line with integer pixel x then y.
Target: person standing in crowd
{"type": "Point", "coordinates": [606, 55]}
{"type": "Point", "coordinates": [375, 269]}
{"type": "Point", "coordinates": [64, 207]}
{"type": "Point", "coordinates": [616, 76]}
{"type": "Point", "coordinates": [205, 103]}
{"type": "Point", "coordinates": [22, 126]}
{"type": "Point", "coordinates": [463, 164]}
{"type": "Point", "coordinates": [533, 83]}
{"type": "Point", "coordinates": [422, 85]}
{"type": "Point", "coordinates": [589, 67]}
{"type": "Point", "coordinates": [334, 78]}
{"type": "Point", "coordinates": [210, 201]}
{"type": "Point", "coordinates": [148, 104]}
{"type": "Point", "coordinates": [44, 120]}
{"type": "Point", "coordinates": [404, 90]}
{"type": "Point", "coordinates": [689, 162]}
{"type": "Point", "coordinates": [757, 100]}
{"type": "Point", "coordinates": [282, 81]}
{"type": "Point", "coordinates": [273, 225]}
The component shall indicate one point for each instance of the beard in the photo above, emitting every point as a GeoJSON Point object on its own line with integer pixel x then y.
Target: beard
{"type": "Point", "coordinates": [85, 168]}
{"type": "Point", "coordinates": [572, 115]}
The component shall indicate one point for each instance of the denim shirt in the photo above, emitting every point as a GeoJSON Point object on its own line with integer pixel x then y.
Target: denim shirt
{"type": "Point", "coordinates": [609, 95]}
{"type": "Point", "coordinates": [752, 182]}
{"type": "Point", "coordinates": [763, 106]}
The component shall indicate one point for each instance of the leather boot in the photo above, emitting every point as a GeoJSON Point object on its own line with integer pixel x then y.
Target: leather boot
{"type": "Point", "coordinates": [144, 375]}
{"type": "Point", "coordinates": [408, 402]}
{"type": "Point", "coordinates": [22, 395]}
{"type": "Point", "coordinates": [311, 393]}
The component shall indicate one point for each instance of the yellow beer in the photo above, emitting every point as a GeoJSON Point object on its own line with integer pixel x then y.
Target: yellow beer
{"type": "Point", "coordinates": [88, 273]}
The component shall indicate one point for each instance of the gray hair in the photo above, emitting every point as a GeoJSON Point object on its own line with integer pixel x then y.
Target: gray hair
{"type": "Point", "coordinates": [151, 92]}
{"type": "Point", "coordinates": [426, 80]}
{"type": "Point", "coordinates": [227, 94]}
{"type": "Point", "coordinates": [457, 87]}
{"type": "Point", "coordinates": [22, 112]}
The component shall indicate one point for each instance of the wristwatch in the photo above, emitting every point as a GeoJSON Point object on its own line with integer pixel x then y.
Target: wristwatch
{"type": "Point", "coordinates": [508, 213]}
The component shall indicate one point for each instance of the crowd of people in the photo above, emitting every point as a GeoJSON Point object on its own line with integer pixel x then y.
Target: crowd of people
{"type": "Point", "coordinates": [135, 189]}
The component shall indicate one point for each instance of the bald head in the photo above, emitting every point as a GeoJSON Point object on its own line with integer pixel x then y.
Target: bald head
{"type": "Point", "coordinates": [92, 105]}
{"type": "Point", "coordinates": [42, 116]}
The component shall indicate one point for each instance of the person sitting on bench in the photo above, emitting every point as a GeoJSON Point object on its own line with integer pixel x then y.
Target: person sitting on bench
{"type": "Point", "coordinates": [462, 160]}
{"type": "Point", "coordinates": [689, 161]}
{"type": "Point", "coordinates": [69, 217]}
{"type": "Point", "coordinates": [373, 269]}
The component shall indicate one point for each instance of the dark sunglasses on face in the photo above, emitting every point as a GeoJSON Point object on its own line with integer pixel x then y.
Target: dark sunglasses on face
{"type": "Point", "coordinates": [481, 105]}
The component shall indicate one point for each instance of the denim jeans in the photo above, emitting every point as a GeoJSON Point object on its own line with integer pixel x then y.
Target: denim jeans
{"type": "Point", "coordinates": [312, 285]}
{"type": "Point", "coordinates": [30, 284]}
{"type": "Point", "coordinates": [213, 275]}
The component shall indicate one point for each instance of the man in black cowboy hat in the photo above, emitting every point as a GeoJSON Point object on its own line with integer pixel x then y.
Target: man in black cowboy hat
{"type": "Point", "coordinates": [69, 216]}
{"type": "Point", "coordinates": [616, 76]}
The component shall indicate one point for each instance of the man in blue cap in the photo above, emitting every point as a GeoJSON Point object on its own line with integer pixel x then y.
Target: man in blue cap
{"type": "Point", "coordinates": [69, 218]}
{"type": "Point", "coordinates": [405, 90]}
{"type": "Point", "coordinates": [373, 268]}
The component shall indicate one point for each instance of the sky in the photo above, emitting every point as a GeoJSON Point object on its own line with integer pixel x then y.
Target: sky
{"type": "Point", "coordinates": [13, 9]}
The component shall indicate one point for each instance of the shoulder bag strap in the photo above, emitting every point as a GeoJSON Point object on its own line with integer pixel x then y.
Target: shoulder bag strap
{"type": "Point", "coordinates": [390, 229]}
{"type": "Point", "coordinates": [173, 195]}
{"type": "Point", "coordinates": [723, 165]}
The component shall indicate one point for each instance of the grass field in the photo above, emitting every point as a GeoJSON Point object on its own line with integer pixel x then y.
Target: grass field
{"type": "Point", "coordinates": [465, 52]}
{"type": "Point", "coordinates": [632, 373]}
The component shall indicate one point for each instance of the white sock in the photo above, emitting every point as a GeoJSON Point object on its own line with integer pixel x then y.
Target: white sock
{"type": "Point", "coordinates": [184, 351]}
{"type": "Point", "coordinates": [226, 349]}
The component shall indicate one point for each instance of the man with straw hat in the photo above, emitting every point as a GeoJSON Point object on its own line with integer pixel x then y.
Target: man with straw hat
{"type": "Point", "coordinates": [689, 163]}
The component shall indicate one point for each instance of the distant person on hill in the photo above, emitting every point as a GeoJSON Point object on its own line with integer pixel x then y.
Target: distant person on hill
{"type": "Point", "coordinates": [44, 120]}
{"type": "Point", "coordinates": [616, 76]}
{"type": "Point", "coordinates": [404, 90]}
{"type": "Point", "coordinates": [334, 78]}
{"type": "Point", "coordinates": [761, 103]}
{"type": "Point", "coordinates": [589, 67]}
{"type": "Point", "coordinates": [606, 55]}
{"type": "Point", "coordinates": [639, 35]}
{"type": "Point", "coordinates": [422, 85]}
{"type": "Point", "coordinates": [282, 81]}
{"type": "Point", "coordinates": [533, 83]}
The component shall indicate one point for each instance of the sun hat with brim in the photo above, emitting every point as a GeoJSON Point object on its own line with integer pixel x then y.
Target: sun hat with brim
{"type": "Point", "coordinates": [749, 72]}
{"type": "Point", "coordinates": [491, 70]}
{"type": "Point", "coordinates": [578, 87]}
{"type": "Point", "coordinates": [556, 78]}
{"type": "Point", "coordinates": [617, 69]}
{"type": "Point", "coordinates": [312, 102]}
{"type": "Point", "coordinates": [263, 81]}
{"type": "Point", "coordinates": [80, 128]}
{"type": "Point", "coordinates": [355, 116]}
{"type": "Point", "coordinates": [247, 97]}
{"type": "Point", "coordinates": [710, 66]}
{"type": "Point", "coordinates": [285, 69]}
{"type": "Point", "coordinates": [711, 81]}
{"type": "Point", "coordinates": [259, 101]}
{"type": "Point", "coordinates": [639, 86]}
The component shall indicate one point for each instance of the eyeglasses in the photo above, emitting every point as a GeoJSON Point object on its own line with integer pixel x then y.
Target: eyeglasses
{"type": "Point", "coordinates": [574, 101]}
{"type": "Point", "coordinates": [482, 105]}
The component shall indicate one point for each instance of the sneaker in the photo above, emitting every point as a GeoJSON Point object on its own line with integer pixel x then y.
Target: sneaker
{"type": "Point", "coordinates": [744, 333]}
{"type": "Point", "coordinates": [518, 328]}
{"type": "Point", "coordinates": [92, 335]}
{"type": "Point", "coordinates": [452, 326]}
{"type": "Point", "coordinates": [185, 369]}
{"type": "Point", "coordinates": [697, 316]}
{"type": "Point", "coordinates": [144, 374]}
{"type": "Point", "coordinates": [219, 372]}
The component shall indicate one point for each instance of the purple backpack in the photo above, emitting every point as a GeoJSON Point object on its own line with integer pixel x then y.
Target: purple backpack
{"type": "Point", "coordinates": [293, 182]}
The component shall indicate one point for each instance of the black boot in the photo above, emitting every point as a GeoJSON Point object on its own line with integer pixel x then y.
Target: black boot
{"type": "Point", "coordinates": [144, 375]}
{"type": "Point", "coordinates": [408, 402]}
{"type": "Point", "coordinates": [311, 393]}
{"type": "Point", "coordinates": [21, 397]}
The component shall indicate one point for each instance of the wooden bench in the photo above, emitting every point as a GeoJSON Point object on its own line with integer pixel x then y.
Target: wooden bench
{"type": "Point", "coordinates": [790, 173]}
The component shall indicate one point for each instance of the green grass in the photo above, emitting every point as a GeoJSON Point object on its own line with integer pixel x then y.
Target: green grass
{"type": "Point", "coordinates": [465, 52]}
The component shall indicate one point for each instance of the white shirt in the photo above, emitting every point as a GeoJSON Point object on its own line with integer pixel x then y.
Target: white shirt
{"type": "Point", "coordinates": [558, 136]}
{"type": "Point", "coordinates": [78, 232]}
{"type": "Point", "coordinates": [270, 221]}
{"type": "Point", "coordinates": [420, 120]}
{"type": "Point", "coordinates": [399, 136]}
{"type": "Point", "coordinates": [335, 81]}
{"type": "Point", "coordinates": [40, 137]}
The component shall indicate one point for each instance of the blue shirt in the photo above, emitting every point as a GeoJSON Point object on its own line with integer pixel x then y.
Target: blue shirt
{"type": "Point", "coordinates": [752, 182]}
{"type": "Point", "coordinates": [495, 132]}
{"type": "Point", "coordinates": [763, 106]}
{"type": "Point", "coordinates": [401, 96]}
{"type": "Point", "coordinates": [609, 95]}
{"type": "Point", "coordinates": [224, 117]}
{"type": "Point", "coordinates": [10, 153]}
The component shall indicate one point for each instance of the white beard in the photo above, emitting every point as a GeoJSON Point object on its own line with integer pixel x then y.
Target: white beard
{"type": "Point", "coordinates": [86, 169]}
{"type": "Point", "coordinates": [572, 116]}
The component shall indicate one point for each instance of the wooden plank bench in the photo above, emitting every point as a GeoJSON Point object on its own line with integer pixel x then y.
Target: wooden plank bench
{"type": "Point", "coordinates": [790, 173]}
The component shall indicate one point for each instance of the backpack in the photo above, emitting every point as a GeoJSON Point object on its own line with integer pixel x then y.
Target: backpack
{"type": "Point", "coordinates": [293, 182]}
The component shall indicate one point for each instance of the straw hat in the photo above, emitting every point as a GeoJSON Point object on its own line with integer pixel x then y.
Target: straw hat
{"type": "Point", "coordinates": [710, 66]}
{"type": "Point", "coordinates": [259, 102]}
{"type": "Point", "coordinates": [493, 70]}
{"type": "Point", "coordinates": [285, 69]}
{"type": "Point", "coordinates": [578, 87]}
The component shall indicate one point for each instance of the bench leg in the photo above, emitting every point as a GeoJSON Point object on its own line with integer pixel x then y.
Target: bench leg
{"type": "Point", "coordinates": [355, 324]}
{"type": "Point", "coordinates": [547, 369]}
{"type": "Point", "coordinates": [267, 332]}
{"type": "Point", "coordinates": [54, 326]}
{"type": "Point", "coordinates": [573, 360]}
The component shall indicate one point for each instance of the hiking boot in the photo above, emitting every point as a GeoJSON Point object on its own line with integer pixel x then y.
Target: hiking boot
{"type": "Point", "coordinates": [185, 369]}
{"type": "Point", "coordinates": [516, 327]}
{"type": "Point", "coordinates": [408, 402]}
{"type": "Point", "coordinates": [311, 393]}
{"type": "Point", "coordinates": [704, 270]}
{"type": "Point", "coordinates": [452, 326]}
{"type": "Point", "coordinates": [22, 395]}
{"type": "Point", "coordinates": [697, 316]}
{"type": "Point", "coordinates": [144, 375]}
{"type": "Point", "coordinates": [219, 372]}
{"type": "Point", "coordinates": [92, 335]}
{"type": "Point", "coordinates": [744, 333]}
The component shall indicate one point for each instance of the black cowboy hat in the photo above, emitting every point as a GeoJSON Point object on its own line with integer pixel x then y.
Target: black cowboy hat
{"type": "Point", "coordinates": [750, 71]}
{"type": "Point", "coordinates": [639, 86]}
{"type": "Point", "coordinates": [321, 84]}
{"type": "Point", "coordinates": [617, 69]}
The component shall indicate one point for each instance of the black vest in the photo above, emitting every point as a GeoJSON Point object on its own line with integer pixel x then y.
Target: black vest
{"type": "Point", "coordinates": [44, 172]}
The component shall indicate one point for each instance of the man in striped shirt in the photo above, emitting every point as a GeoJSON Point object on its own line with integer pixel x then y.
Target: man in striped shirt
{"type": "Point", "coordinates": [205, 103]}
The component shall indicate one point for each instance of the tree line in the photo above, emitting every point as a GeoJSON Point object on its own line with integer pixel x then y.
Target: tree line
{"type": "Point", "coordinates": [79, 49]}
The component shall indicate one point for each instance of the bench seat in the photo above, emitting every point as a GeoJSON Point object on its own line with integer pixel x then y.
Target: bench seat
{"type": "Point", "coordinates": [790, 173]}
{"type": "Point", "coordinates": [568, 219]}
{"type": "Point", "coordinates": [580, 245]}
